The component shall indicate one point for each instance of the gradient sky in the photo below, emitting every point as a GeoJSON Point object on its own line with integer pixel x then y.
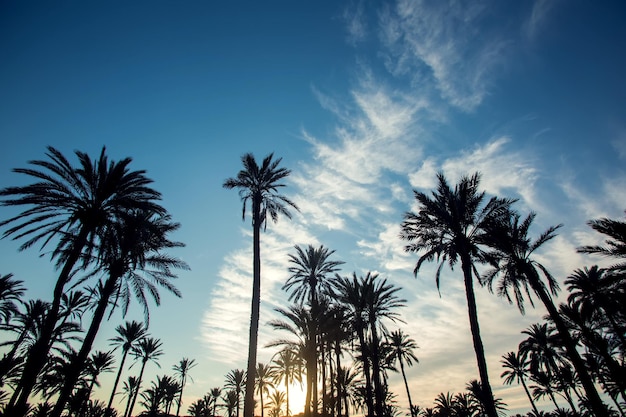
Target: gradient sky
{"type": "Point", "coordinates": [364, 101]}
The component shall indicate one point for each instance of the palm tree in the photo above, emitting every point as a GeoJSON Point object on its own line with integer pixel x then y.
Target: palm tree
{"type": "Point", "coordinates": [259, 185]}
{"type": "Point", "coordinates": [148, 349]}
{"type": "Point", "coordinates": [309, 270]}
{"type": "Point", "coordinates": [264, 377]}
{"type": "Point", "coordinates": [131, 252]}
{"type": "Point", "coordinates": [98, 363]}
{"type": "Point", "coordinates": [236, 380]}
{"type": "Point", "coordinates": [594, 290]}
{"type": "Point", "coordinates": [128, 336]}
{"type": "Point", "coordinates": [448, 227]}
{"type": "Point", "coordinates": [511, 256]}
{"type": "Point", "coordinates": [231, 402]}
{"type": "Point", "coordinates": [182, 370]}
{"type": "Point", "coordinates": [615, 247]}
{"type": "Point", "coordinates": [214, 395]}
{"type": "Point", "coordinates": [402, 351]}
{"type": "Point", "coordinates": [516, 369]}
{"type": "Point", "coordinates": [73, 204]}
{"type": "Point", "coordinates": [277, 399]}
{"type": "Point", "coordinates": [287, 366]}
{"type": "Point", "coordinates": [350, 292]}
{"type": "Point", "coordinates": [300, 323]}
{"type": "Point", "coordinates": [129, 390]}
{"type": "Point", "coordinates": [381, 300]}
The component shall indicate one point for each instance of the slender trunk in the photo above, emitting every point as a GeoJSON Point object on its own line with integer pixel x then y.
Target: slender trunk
{"type": "Point", "coordinates": [366, 370]}
{"type": "Point", "coordinates": [322, 355]}
{"type": "Point", "coordinates": [490, 405]}
{"type": "Point", "coordinates": [136, 394]}
{"type": "Point", "coordinates": [79, 361]}
{"type": "Point", "coordinates": [551, 394]}
{"type": "Point", "coordinates": [180, 397]}
{"type": "Point", "coordinates": [598, 408]}
{"type": "Point", "coordinates": [315, 312]}
{"type": "Point", "coordinates": [287, 392]}
{"type": "Point", "coordinates": [311, 358]}
{"type": "Point", "coordinates": [248, 405]}
{"type": "Point", "coordinates": [38, 354]}
{"type": "Point", "coordinates": [378, 389]}
{"type": "Point", "coordinates": [131, 395]}
{"type": "Point", "coordinates": [117, 380]}
{"type": "Point", "coordinates": [338, 363]}
{"type": "Point", "coordinates": [406, 385]}
{"type": "Point", "coordinates": [262, 408]}
{"type": "Point", "coordinates": [530, 398]}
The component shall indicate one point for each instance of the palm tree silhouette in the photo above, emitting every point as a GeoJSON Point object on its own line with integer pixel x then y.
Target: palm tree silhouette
{"type": "Point", "coordinates": [129, 389]}
{"type": "Point", "coordinates": [448, 227]}
{"type": "Point", "coordinates": [11, 291]}
{"type": "Point", "coordinates": [182, 370]}
{"type": "Point", "coordinates": [131, 251]}
{"type": "Point", "coordinates": [402, 351]}
{"type": "Point", "coordinates": [350, 292]}
{"type": "Point", "coordinates": [309, 269]}
{"type": "Point", "coordinates": [615, 231]}
{"type": "Point", "coordinates": [214, 395]}
{"type": "Point", "coordinates": [148, 349]}
{"type": "Point", "coordinates": [128, 336]}
{"type": "Point", "coordinates": [264, 377]}
{"type": "Point", "coordinates": [98, 363]}
{"type": "Point", "coordinates": [287, 366]}
{"type": "Point", "coordinates": [511, 256]}
{"type": "Point", "coordinates": [236, 381]}
{"type": "Point", "coordinates": [74, 204]}
{"type": "Point", "coordinates": [259, 186]}
{"type": "Point", "coordinates": [516, 369]}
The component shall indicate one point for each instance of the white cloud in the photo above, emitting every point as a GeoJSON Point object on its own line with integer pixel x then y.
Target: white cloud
{"type": "Point", "coordinates": [441, 41]}
{"type": "Point", "coordinates": [537, 19]}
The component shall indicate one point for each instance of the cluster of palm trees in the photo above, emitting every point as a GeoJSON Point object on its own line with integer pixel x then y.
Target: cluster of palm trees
{"type": "Point", "coordinates": [108, 236]}
{"type": "Point", "coordinates": [581, 344]}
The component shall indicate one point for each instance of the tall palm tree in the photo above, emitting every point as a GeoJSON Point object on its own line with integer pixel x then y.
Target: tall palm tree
{"type": "Point", "coordinates": [148, 349]}
{"type": "Point", "coordinates": [259, 186]}
{"type": "Point", "coordinates": [236, 381]}
{"type": "Point", "coordinates": [128, 335]}
{"type": "Point", "coordinates": [300, 321]}
{"type": "Point", "coordinates": [511, 256]}
{"type": "Point", "coordinates": [350, 292]}
{"type": "Point", "coordinates": [402, 351]}
{"type": "Point", "coordinates": [309, 270]}
{"type": "Point", "coordinates": [448, 227]}
{"type": "Point", "coordinates": [182, 370]}
{"type": "Point", "coordinates": [381, 301]}
{"type": "Point", "coordinates": [132, 252]}
{"type": "Point", "coordinates": [287, 366]}
{"type": "Point", "coordinates": [73, 204]}
{"type": "Point", "coordinates": [97, 363]}
{"type": "Point", "coordinates": [516, 369]}
{"type": "Point", "coordinates": [264, 377]}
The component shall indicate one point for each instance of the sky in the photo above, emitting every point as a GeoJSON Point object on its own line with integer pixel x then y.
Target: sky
{"type": "Point", "coordinates": [364, 101]}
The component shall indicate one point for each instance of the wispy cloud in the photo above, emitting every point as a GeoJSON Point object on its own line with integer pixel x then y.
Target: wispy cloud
{"type": "Point", "coordinates": [537, 18]}
{"type": "Point", "coordinates": [440, 41]}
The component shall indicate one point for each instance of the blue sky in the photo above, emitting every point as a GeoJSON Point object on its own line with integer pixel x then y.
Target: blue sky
{"type": "Point", "coordinates": [364, 101]}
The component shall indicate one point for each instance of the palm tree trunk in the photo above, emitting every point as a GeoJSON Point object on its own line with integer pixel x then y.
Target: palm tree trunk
{"type": "Point", "coordinates": [136, 394]}
{"type": "Point", "coordinates": [478, 343]}
{"type": "Point", "coordinates": [530, 398]}
{"type": "Point", "coordinates": [38, 354]}
{"type": "Point", "coordinates": [77, 364]}
{"type": "Point", "coordinates": [406, 385]}
{"type": "Point", "coordinates": [338, 363]}
{"type": "Point", "coordinates": [117, 380]}
{"type": "Point", "coordinates": [248, 405]}
{"type": "Point", "coordinates": [287, 393]}
{"type": "Point", "coordinates": [366, 370]}
{"type": "Point", "coordinates": [378, 389]}
{"type": "Point", "coordinates": [597, 406]}
{"type": "Point", "coordinates": [180, 397]}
